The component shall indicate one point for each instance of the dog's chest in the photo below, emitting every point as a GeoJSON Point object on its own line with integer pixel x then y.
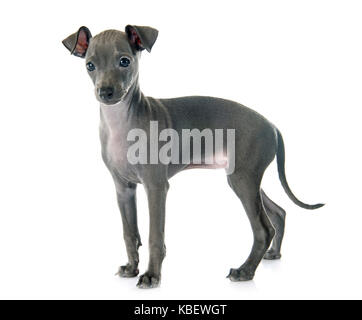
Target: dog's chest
{"type": "Point", "coordinates": [114, 130]}
{"type": "Point", "coordinates": [116, 149]}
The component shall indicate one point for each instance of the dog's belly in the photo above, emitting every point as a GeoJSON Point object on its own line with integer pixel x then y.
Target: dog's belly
{"type": "Point", "coordinates": [216, 161]}
{"type": "Point", "coordinates": [206, 166]}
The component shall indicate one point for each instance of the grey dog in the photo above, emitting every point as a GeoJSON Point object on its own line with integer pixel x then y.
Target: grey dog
{"type": "Point", "coordinates": [112, 59]}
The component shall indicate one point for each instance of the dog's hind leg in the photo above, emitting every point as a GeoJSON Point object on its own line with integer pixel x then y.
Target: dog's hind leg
{"type": "Point", "coordinates": [247, 188]}
{"type": "Point", "coordinates": [277, 217]}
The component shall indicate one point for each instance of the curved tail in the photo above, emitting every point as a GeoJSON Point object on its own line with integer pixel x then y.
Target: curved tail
{"type": "Point", "coordinates": [283, 179]}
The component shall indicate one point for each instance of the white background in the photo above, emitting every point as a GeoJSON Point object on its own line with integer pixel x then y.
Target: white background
{"type": "Point", "coordinates": [299, 63]}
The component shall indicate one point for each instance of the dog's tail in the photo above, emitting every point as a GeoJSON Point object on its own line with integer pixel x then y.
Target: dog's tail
{"type": "Point", "coordinates": [283, 179]}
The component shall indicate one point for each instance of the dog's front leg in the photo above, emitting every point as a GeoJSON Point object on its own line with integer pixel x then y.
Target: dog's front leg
{"type": "Point", "coordinates": [126, 197]}
{"type": "Point", "coordinates": [156, 202]}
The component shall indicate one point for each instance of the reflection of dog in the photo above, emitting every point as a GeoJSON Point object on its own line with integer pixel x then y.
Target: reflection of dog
{"type": "Point", "coordinates": [112, 60]}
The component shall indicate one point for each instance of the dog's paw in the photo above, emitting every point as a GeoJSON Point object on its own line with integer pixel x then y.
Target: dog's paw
{"type": "Point", "coordinates": [127, 271]}
{"type": "Point", "coordinates": [147, 281]}
{"type": "Point", "coordinates": [272, 255]}
{"type": "Point", "coordinates": [240, 275]}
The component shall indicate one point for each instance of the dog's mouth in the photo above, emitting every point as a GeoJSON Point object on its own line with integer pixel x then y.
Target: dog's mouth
{"type": "Point", "coordinates": [110, 102]}
{"type": "Point", "coordinates": [117, 98]}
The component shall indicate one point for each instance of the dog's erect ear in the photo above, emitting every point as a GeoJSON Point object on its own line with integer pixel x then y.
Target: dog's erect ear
{"type": "Point", "coordinates": [78, 42]}
{"type": "Point", "coordinates": [141, 37]}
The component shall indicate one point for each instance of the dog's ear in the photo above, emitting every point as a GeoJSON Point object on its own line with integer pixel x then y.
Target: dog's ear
{"type": "Point", "coordinates": [78, 42]}
{"type": "Point", "coordinates": [141, 37]}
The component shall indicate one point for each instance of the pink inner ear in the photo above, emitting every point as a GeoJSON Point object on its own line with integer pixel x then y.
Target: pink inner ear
{"type": "Point", "coordinates": [136, 39]}
{"type": "Point", "coordinates": [82, 43]}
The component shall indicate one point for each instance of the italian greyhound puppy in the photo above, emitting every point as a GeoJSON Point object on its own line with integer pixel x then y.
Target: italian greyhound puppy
{"type": "Point", "coordinates": [112, 60]}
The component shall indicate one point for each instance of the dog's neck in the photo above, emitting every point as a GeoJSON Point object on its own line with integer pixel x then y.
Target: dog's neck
{"type": "Point", "coordinates": [120, 114]}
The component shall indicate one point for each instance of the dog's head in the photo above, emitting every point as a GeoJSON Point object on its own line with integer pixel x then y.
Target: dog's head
{"type": "Point", "coordinates": [111, 58]}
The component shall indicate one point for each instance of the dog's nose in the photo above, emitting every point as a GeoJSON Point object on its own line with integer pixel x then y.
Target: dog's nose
{"type": "Point", "coordinates": [106, 93]}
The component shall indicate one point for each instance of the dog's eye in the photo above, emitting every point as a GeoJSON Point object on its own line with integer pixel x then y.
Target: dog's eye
{"type": "Point", "coordinates": [91, 66]}
{"type": "Point", "coordinates": [124, 62]}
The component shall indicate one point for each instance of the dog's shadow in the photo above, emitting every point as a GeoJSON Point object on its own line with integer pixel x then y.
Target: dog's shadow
{"type": "Point", "coordinates": [272, 265]}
